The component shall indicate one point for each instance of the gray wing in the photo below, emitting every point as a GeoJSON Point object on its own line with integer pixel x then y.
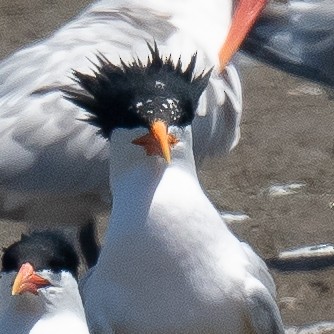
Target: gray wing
{"type": "Point", "coordinates": [261, 307]}
{"type": "Point", "coordinates": [45, 147]}
{"type": "Point", "coordinates": [217, 131]}
{"type": "Point", "coordinates": [263, 312]}
{"type": "Point", "coordinates": [40, 132]}
{"type": "Point", "coordinates": [296, 36]}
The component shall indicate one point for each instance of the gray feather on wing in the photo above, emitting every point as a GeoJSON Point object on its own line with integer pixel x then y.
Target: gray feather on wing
{"type": "Point", "coordinates": [217, 130]}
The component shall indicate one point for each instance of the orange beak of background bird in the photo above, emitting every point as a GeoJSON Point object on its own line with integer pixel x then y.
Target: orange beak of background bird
{"type": "Point", "coordinates": [157, 141]}
{"type": "Point", "coordinates": [243, 20]}
{"type": "Point", "coordinates": [27, 280]}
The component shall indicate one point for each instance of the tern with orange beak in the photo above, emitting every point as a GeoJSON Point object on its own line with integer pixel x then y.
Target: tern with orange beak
{"type": "Point", "coordinates": [50, 162]}
{"type": "Point", "coordinates": [169, 263]}
{"type": "Point", "coordinates": [38, 287]}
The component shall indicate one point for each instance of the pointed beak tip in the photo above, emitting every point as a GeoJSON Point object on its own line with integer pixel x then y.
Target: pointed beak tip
{"type": "Point", "coordinates": [158, 141]}
{"type": "Point", "coordinates": [159, 129]}
{"type": "Point", "coordinates": [17, 287]}
{"type": "Point", "coordinates": [19, 279]}
{"type": "Point", "coordinates": [168, 160]}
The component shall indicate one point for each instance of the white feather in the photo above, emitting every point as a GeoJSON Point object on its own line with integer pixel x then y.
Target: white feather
{"type": "Point", "coordinates": [169, 263]}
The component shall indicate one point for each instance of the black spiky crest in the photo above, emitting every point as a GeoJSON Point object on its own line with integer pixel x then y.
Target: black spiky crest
{"type": "Point", "coordinates": [43, 250]}
{"type": "Point", "coordinates": [134, 95]}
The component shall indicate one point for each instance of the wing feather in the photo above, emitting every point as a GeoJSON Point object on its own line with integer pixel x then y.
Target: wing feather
{"type": "Point", "coordinates": [42, 131]}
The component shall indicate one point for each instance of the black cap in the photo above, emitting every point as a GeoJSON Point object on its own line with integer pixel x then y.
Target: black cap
{"type": "Point", "coordinates": [43, 250]}
{"type": "Point", "coordinates": [134, 95]}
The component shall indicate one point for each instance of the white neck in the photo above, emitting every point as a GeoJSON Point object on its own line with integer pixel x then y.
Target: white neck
{"type": "Point", "coordinates": [63, 309]}
{"type": "Point", "coordinates": [63, 298]}
{"type": "Point", "coordinates": [149, 225]}
{"type": "Point", "coordinates": [161, 223]}
{"type": "Point", "coordinates": [141, 173]}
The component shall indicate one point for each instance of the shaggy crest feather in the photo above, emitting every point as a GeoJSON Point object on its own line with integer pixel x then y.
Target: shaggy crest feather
{"type": "Point", "coordinates": [132, 95]}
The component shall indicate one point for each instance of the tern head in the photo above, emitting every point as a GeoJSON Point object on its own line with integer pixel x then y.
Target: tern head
{"type": "Point", "coordinates": [156, 95]}
{"type": "Point", "coordinates": [38, 286]}
{"type": "Point", "coordinates": [41, 260]}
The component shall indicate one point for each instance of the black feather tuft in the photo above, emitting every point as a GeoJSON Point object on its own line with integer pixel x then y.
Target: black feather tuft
{"type": "Point", "coordinates": [43, 250]}
{"type": "Point", "coordinates": [133, 95]}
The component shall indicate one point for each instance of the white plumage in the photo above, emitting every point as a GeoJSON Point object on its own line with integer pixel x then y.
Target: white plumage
{"type": "Point", "coordinates": [169, 263]}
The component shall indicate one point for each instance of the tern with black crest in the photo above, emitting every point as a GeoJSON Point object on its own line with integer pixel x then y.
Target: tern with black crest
{"type": "Point", "coordinates": [169, 263]}
{"type": "Point", "coordinates": [52, 166]}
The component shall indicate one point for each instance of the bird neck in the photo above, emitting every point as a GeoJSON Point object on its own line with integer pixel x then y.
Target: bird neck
{"type": "Point", "coordinates": [135, 176]}
{"type": "Point", "coordinates": [62, 299]}
{"type": "Point", "coordinates": [145, 186]}
{"type": "Point", "coordinates": [162, 231]}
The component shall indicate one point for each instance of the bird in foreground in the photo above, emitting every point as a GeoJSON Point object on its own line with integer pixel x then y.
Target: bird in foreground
{"type": "Point", "coordinates": [38, 287]}
{"type": "Point", "coordinates": [52, 167]}
{"type": "Point", "coordinates": [169, 263]}
{"type": "Point", "coordinates": [296, 36]}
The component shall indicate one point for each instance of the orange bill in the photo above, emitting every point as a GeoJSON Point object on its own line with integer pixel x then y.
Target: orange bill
{"type": "Point", "coordinates": [27, 280]}
{"type": "Point", "coordinates": [243, 19]}
{"type": "Point", "coordinates": [157, 141]}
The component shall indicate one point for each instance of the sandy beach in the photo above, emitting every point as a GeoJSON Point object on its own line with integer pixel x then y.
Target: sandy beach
{"type": "Point", "coordinates": [286, 137]}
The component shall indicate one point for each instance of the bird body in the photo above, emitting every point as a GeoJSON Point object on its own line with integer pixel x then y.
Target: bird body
{"type": "Point", "coordinates": [169, 263]}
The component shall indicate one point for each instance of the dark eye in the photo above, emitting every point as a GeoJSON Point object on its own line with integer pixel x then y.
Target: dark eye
{"type": "Point", "coordinates": [56, 265]}
{"type": "Point", "coordinates": [10, 263]}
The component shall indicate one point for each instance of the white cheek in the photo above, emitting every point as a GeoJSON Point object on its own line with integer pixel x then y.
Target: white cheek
{"type": "Point", "coordinates": [52, 292]}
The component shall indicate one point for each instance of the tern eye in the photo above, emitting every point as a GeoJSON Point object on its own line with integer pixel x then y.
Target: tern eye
{"type": "Point", "coordinates": [56, 265]}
